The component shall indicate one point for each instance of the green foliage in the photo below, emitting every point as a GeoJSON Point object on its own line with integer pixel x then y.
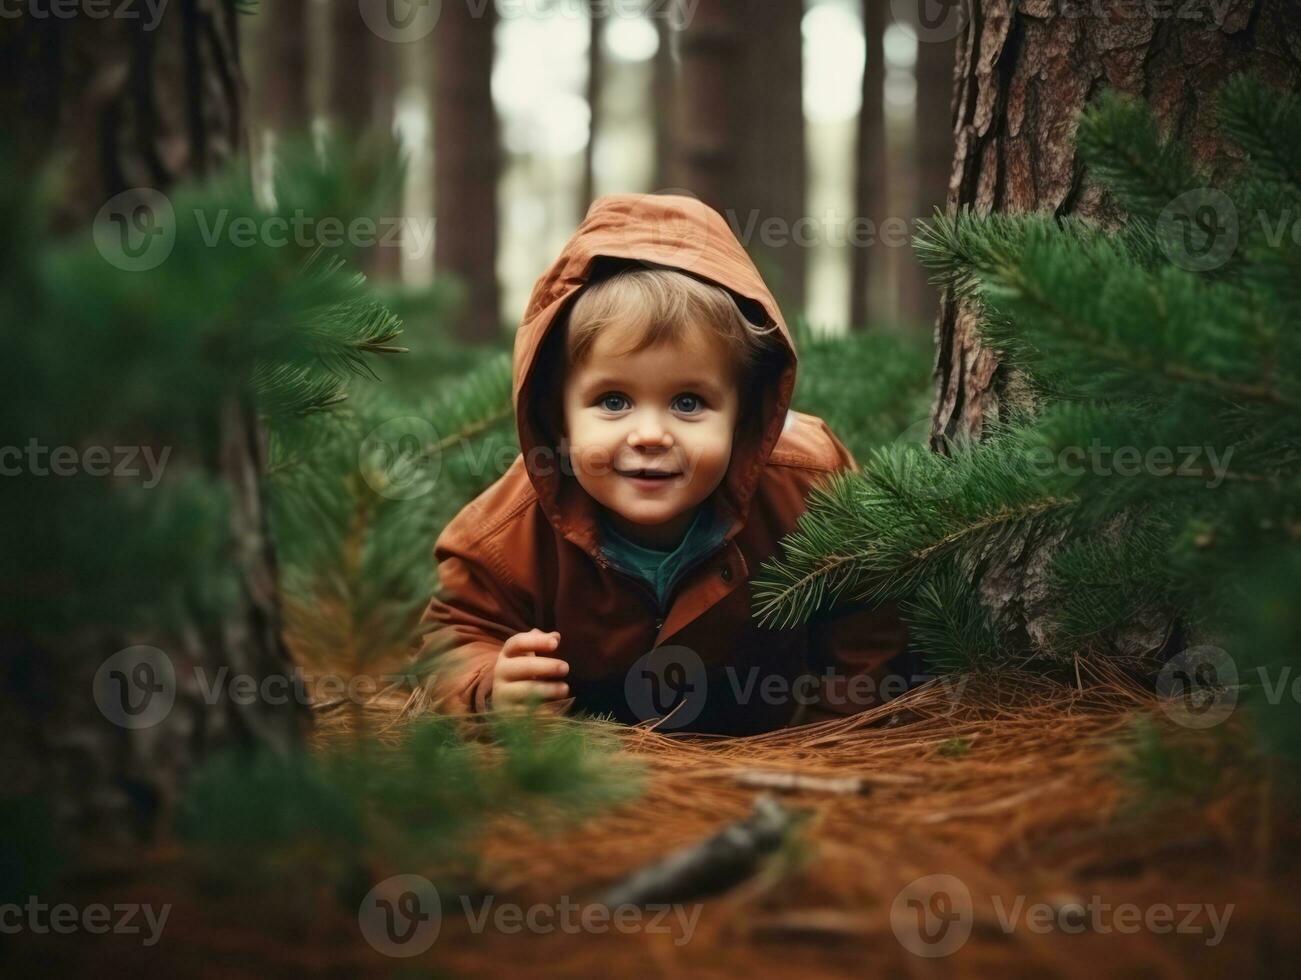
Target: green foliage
{"type": "Point", "coordinates": [161, 362]}
{"type": "Point", "coordinates": [1151, 469]}
{"type": "Point", "coordinates": [359, 497]}
{"type": "Point", "coordinates": [369, 808]}
{"type": "Point", "coordinates": [1162, 770]}
{"type": "Point", "coordinates": [892, 405]}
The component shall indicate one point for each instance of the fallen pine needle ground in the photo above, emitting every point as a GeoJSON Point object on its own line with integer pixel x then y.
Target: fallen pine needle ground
{"type": "Point", "coordinates": [1014, 789]}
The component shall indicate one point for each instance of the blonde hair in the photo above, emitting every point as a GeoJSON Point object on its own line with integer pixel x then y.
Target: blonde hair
{"type": "Point", "coordinates": [663, 305]}
{"type": "Point", "coordinates": [655, 305]}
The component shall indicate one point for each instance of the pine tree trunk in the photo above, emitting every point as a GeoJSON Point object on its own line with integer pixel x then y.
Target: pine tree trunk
{"type": "Point", "coordinates": [742, 142]}
{"type": "Point", "coordinates": [596, 25]}
{"type": "Point", "coordinates": [1024, 71]}
{"type": "Point", "coordinates": [663, 93]}
{"type": "Point", "coordinates": [129, 108]}
{"type": "Point", "coordinates": [467, 162]}
{"type": "Point", "coordinates": [353, 101]}
{"type": "Point", "coordinates": [932, 154]}
{"type": "Point", "coordinates": [283, 68]}
{"type": "Point", "coordinates": [871, 171]}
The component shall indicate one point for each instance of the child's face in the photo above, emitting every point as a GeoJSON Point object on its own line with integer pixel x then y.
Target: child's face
{"type": "Point", "coordinates": [669, 409]}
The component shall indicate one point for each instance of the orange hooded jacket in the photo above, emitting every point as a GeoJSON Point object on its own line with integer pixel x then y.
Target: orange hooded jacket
{"type": "Point", "coordinates": [525, 553]}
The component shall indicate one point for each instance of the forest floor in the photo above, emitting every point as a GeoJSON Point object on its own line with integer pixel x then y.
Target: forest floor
{"type": "Point", "coordinates": [1012, 799]}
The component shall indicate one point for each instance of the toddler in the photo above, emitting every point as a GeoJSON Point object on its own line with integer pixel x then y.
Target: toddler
{"type": "Point", "coordinates": [608, 570]}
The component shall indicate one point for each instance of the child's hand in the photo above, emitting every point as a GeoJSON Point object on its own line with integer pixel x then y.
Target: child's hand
{"type": "Point", "coordinates": [521, 675]}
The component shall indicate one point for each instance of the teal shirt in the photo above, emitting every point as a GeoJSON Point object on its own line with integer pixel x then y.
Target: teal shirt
{"type": "Point", "coordinates": [662, 569]}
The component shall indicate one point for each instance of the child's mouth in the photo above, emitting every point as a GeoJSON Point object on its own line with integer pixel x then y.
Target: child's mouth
{"type": "Point", "coordinates": [649, 478]}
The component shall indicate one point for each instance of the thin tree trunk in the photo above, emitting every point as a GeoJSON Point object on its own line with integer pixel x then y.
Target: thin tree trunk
{"type": "Point", "coordinates": [467, 162]}
{"type": "Point", "coordinates": [663, 93]}
{"type": "Point", "coordinates": [932, 153]}
{"type": "Point", "coordinates": [127, 107]}
{"type": "Point", "coordinates": [596, 25]}
{"type": "Point", "coordinates": [705, 162]}
{"type": "Point", "coordinates": [871, 171]}
{"type": "Point", "coordinates": [742, 143]}
{"type": "Point", "coordinates": [283, 68]}
{"type": "Point", "coordinates": [353, 96]}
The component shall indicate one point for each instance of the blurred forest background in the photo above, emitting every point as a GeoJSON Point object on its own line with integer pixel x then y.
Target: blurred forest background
{"type": "Point", "coordinates": [515, 121]}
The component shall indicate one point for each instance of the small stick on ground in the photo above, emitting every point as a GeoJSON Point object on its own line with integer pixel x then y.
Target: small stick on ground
{"type": "Point", "coordinates": [714, 865]}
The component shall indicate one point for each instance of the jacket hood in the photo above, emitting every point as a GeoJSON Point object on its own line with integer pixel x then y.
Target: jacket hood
{"type": "Point", "coordinates": [671, 231]}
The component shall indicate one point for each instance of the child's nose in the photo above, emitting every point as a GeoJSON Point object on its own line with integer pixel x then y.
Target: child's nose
{"type": "Point", "coordinates": [650, 433]}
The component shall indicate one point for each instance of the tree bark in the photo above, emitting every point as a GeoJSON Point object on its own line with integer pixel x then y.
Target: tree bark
{"type": "Point", "coordinates": [1024, 72]}
{"type": "Point", "coordinates": [467, 162]}
{"type": "Point", "coordinates": [128, 107]}
{"type": "Point", "coordinates": [871, 171]}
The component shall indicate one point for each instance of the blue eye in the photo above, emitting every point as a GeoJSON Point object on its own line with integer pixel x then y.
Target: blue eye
{"type": "Point", "coordinates": [688, 404]}
{"type": "Point", "coordinates": [613, 402]}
